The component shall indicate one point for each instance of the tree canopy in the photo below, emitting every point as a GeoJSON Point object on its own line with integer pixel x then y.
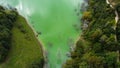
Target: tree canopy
{"type": "Point", "coordinates": [99, 44]}
{"type": "Point", "coordinates": [7, 19]}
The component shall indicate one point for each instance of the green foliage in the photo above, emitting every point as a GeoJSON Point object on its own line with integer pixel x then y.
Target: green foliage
{"type": "Point", "coordinates": [93, 60]}
{"type": "Point", "coordinates": [111, 58]}
{"type": "Point", "coordinates": [37, 63]}
{"type": "Point", "coordinates": [69, 64]}
{"type": "Point", "coordinates": [18, 39]}
{"type": "Point", "coordinates": [99, 44]}
{"type": "Point", "coordinates": [7, 19]}
{"type": "Point", "coordinates": [25, 49]}
{"type": "Point", "coordinates": [87, 16]}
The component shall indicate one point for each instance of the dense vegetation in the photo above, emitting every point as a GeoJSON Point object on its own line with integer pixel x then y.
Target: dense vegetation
{"type": "Point", "coordinates": [99, 44]}
{"type": "Point", "coordinates": [7, 19]}
{"type": "Point", "coordinates": [19, 46]}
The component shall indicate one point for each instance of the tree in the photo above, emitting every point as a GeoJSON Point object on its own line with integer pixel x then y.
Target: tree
{"type": "Point", "coordinates": [99, 44]}
{"type": "Point", "coordinates": [7, 19]}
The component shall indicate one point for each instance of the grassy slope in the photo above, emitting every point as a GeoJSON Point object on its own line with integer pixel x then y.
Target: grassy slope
{"type": "Point", "coordinates": [25, 47]}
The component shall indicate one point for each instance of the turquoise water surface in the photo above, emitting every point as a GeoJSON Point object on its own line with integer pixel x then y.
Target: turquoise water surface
{"type": "Point", "coordinates": [55, 21]}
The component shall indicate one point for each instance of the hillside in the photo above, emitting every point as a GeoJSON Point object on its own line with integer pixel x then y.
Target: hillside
{"type": "Point", "coordinates": [99, 43]}
{"type": "Point", "coordinates": [25, 50]}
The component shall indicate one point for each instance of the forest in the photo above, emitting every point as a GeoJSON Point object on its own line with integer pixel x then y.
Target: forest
{"type": "Point", "coordinates": [99, 43]}
{"type": "Point", "coordinates": [7, 19]}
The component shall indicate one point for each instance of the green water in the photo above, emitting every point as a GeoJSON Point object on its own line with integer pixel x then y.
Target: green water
{"type": "Point", "coordinates": [54, 19]}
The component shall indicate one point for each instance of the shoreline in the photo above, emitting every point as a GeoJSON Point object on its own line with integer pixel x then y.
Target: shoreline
{"type": "Point", "coordinates": [38, 40]}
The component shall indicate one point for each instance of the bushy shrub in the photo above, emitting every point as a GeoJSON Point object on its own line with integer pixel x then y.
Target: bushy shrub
{"type": "Point", "coordinates": [39, 63]}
